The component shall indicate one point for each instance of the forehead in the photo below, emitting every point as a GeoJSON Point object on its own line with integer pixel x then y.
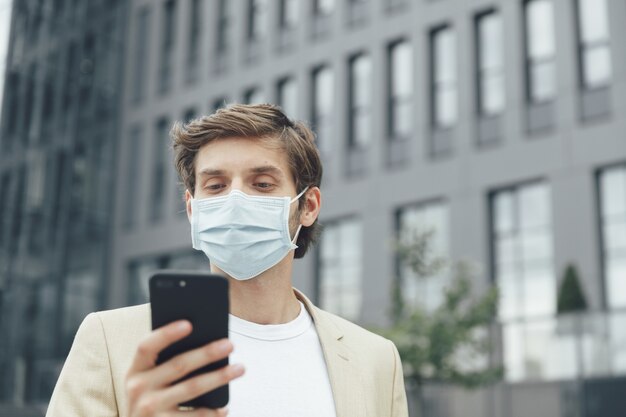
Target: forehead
{"type": "Point", "coordinates": [242, 154]}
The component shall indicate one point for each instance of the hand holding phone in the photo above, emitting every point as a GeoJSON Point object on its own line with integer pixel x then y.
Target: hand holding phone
{"type": "Point", "coordinates": [171, 368]}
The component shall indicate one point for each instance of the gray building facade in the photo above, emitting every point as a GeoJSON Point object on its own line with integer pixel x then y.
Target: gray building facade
{"type": "Point", "coordinates": [497, 123]}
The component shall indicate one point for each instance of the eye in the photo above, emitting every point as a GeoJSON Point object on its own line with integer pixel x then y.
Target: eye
{"type": "Point", "coordinates": [263, 185]}
{"type": "Point", "coordinates": [214, 186]}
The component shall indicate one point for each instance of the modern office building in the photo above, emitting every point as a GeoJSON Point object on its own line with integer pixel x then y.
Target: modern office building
{"type": "Point", "coordinates": [58, 140]}
{"type": "Point", "coordinates": [499, 124]}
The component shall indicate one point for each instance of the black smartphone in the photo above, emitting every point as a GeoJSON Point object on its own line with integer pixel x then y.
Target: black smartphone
{"type": "Point", "coordinates": [201, 298]}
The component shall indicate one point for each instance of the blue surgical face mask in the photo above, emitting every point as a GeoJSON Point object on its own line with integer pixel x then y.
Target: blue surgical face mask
{"type": "Point", "coordinates": [243, 235]}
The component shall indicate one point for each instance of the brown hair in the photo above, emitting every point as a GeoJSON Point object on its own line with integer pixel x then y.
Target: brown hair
{"type": "Point", "coordinates": [262, 121]}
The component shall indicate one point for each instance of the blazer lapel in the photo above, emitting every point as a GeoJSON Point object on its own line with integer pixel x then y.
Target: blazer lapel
{"type": "Point", "coordinates": [342, 364]}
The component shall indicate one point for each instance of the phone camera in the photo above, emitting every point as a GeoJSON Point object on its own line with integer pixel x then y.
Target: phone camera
{"type": "Point", "coordinates": [182, 283]}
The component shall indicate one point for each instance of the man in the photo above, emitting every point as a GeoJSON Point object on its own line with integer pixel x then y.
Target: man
{"type": "Point", "coordinates": [252, 179]}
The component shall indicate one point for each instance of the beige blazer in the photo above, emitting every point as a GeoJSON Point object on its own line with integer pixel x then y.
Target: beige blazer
{"type": "Point", "coordinates": [364, 369]}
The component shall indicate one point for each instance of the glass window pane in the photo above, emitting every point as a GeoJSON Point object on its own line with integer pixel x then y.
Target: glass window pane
{"type": "Point", "coordinates": [288, 97]}
{"type": "Point", "coordinates": [615, 236]}
{"type": "Point", "coordinates": [616, 281]}
{"type": "Point", "coordinates": [509, 287]}
{"type": "Point", "coordinates": [617, 329]}
{"type": "Point", "coordinates": [523, 251]}
{"type": "Point", "coordinates": [540, 28]}
{"type": "Point", "coordinates": [597, 66]}
{"type": "Point", "coordinates": [402, 70]}
{"type": "Point", "coordinates": [513, 343]}
{"type": "Point", "coordinates": [593, 20]}
{"type": "Point", "coordinates": [539, 292]}
{"type": "Point", "coordinates": [402, 118]}
{"type": "Point", "coordinates": [444, 55]}
{"type": "Point", "coordinates": [534, 201]}
{"type": "Point", "coordinates": [446, 107]}
{"type": "Point", "coordinates": [503, 212]}
{"type": "Point", "coordinates": [361, 73]}
{"type": "Point", "coordinates": [542, 81]}
{"type": "Point", "coordinates": [361, 129]}
{"type": "Point", "coordinates": [289, 12]}
{"type": "Point", "coordinates": [254, 96]}
{"type": "Point", "coordinates": [492, 94]}
{"type": "Point", "coordinates": [340, 268]}
{"type": "Point", "coordinates": [417, 220]}
{"type": "Point", "coordinates": [490, 38]}
{"type": "Point", "coordinates": [613, 189]}
{"type": "Point", "coordinates": [324, 6]}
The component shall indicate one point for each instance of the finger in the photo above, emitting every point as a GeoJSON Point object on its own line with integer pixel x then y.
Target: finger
{"type": "Point", "coordinates": [182, 364]}
{"type": "Point", "coordinates": [196, 386]}
{"type": "Point", "coordinates": [149, 348]}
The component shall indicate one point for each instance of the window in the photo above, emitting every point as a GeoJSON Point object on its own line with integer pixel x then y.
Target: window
{"type": "Point", "coordinates": [323, 107]}
{"type": "Point", "coordinates": [287, 97]}
{"type": "Point", "coordinates": [195, 34]}
{"type": "Point", "coordinates": [612, 184]}
{"type": "Point", "coordinates": [540, 51]}
{"type": "Point", "coordinates": [159, 170]}
{"type": "Point", "coordinates": [189, 114]}
{"type": "Point", "coordinates": [443, 77]}
{"type": "Point", "coordinates": [490, 63]}
{"type": "Point", "coordinates": [340, 268]}
{"type": "Point", "coordinates": [257, 19]}
{"type": "Point", "coordinates": [400, 84]}
{"type": "Point", "coordinates": [11, 111]}
{"type": "Point", "coordinates": [432, 217]}
{"type": "Point", "coordinates": [218, 103]}
{"type": "Point", "coordinates": [5, 181]}
{"type": "Point", "coordinates": [523, 270]}
{"type": "Point", "coordinates": [49, 92]}
{"type": "Point", "coordinates": [522, 249]}
{"type": "Point", "coordinates": [322, 14]}
{"type": "Point", "coordinates": [594, 38]}
{"type": "Point", "coordinates": [80, 297]}
{"type": "Point", "coordinates": [323, 7]}
{"type": "Point", "coordinates": [223, 22]}
{"type": "Point", "coordinates": [357, 12]}
{"type": "Point", "coordinates": [133, 177]}
{"type": "Point", "coordinates": [288, 17]}
{"type": "Point", "coordinates": [141, 54]}
{"type": "Point", "coordinates": [254, 95]}
{"type": "Point", "coordinates": [167, 45]}
{"type": "Point", "coordinates": [359, 101]}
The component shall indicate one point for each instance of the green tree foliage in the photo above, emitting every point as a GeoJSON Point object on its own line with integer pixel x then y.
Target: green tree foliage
{"type": "Point", "coordinates": [450, 344]}
{"type": "Point", "coordinates": [571, 297]}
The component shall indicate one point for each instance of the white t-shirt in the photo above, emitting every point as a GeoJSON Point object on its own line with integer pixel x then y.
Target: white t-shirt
{"type": "Point", "coordinates": [286, 374]}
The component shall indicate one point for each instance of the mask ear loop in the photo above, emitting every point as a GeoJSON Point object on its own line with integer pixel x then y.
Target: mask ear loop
{"type": "Point", "coordinates": [296, 198]}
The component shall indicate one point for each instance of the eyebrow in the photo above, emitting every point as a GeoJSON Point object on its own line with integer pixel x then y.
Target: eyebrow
{"type": "Point", "coordinates": [210, 172]}
{"type": "Point", "coordinates": [268, 169]}
{"type": "Point", "coordinates": [265, 169]}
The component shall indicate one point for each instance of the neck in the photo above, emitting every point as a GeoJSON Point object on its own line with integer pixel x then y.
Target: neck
{"type": "Point", "coordinates": [267, 298]}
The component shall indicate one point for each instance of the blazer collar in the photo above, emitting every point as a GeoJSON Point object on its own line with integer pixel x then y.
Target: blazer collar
{"type": "Point", "coordinates": [341, 362]}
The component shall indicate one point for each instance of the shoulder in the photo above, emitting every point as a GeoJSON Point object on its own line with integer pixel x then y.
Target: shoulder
{"type": "Point", "coordinates": [355, 337]}
{"type": "Point", "coordinates": [139, 312]}
{"type": "Point", "coordinates": [127, 323]}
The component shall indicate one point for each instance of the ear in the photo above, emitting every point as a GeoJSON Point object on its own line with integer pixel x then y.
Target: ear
{"type": "Point", "coordinates": [312, 206]}
{"type": "Point", "coordinates": [188, 198]}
